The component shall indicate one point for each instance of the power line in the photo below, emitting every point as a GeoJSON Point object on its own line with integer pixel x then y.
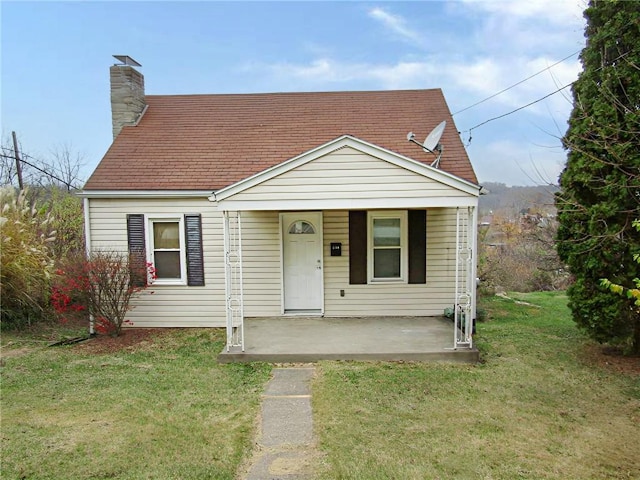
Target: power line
{"type": "Point", "coordinates": [521, 108]}
{"type": "Point", "coordinates": [516, 84]}
{"type": "Point", "coordinates": [539, 99]}
{"type": "Point", "coordinates": [49, 174]}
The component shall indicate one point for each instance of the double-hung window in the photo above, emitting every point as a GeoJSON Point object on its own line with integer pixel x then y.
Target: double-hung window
{"type": "Point", "coordinates": [167, 249]}
{"type": "Point", "coordinates": [387, 245]}
{"type": "Point", "coordinates": [171, 244]}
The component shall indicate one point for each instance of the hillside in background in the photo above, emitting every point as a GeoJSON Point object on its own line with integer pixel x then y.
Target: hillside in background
{"type": "Point", "coordinates": [510, 202]}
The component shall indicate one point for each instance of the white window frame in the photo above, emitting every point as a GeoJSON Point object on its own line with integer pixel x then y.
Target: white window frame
{"type": "Point", "coordinates": [150, 220]}
{"type": "Point", "coordinates": [404, 250]}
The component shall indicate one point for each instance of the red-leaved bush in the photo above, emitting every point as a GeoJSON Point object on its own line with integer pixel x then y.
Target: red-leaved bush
{"type": "Point", "coordinates": [102, 287]}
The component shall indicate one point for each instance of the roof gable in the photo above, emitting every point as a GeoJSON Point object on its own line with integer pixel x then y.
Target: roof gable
{"type": "Point", "coordinates": [208, 142]}
{"type": "Point", "coordinates": [376, 160]}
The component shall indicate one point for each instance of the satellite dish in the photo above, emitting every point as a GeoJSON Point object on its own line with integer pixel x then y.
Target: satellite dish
{"type": "Point", "coordinates": [432, 143]}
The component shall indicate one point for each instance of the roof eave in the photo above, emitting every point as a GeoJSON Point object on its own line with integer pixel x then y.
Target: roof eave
{"type": "Point", "coordinates": [145, 193]}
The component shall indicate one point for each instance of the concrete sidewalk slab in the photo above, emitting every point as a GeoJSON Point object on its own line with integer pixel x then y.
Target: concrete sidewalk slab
{"type": "Point", "coordinates": [283, 465]}
{"type": "Point", "coordinates": [290, 381]}
{"type": "Point", "coordinates": [286, 422]}
{"type": "Point", "coordinates": [285, 445]}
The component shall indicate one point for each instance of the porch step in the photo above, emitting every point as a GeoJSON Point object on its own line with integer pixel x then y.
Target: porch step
{"type": "Point", "coordinates": [462, 355]}
{"type": "Point", "coordinates": [311, 339]}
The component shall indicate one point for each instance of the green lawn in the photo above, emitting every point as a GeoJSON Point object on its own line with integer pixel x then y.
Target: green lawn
{"type": "Point", "coordinates": [161, 410]}
{"type": "Point", "coordinates": [535, 408]}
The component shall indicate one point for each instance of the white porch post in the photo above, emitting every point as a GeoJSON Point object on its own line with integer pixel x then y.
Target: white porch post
{"type": "Point", "coordinates": [473, 228]}
{"type": "Point", "coordinates": [87, 249]}
{"type": "Point", "coordinates": [233, 279]}
{"type": "Point", "coordinates": [465, 274]}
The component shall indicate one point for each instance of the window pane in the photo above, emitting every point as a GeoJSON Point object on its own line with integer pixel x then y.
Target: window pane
{"type": "Point", "coordinates": [386, 263]}
{"type": "Point", "coordinates": [166, 235]}
{"type": "Point", "coordinates": [167, 264]}
{"type": "Point", "coordinates": [301, 227]}
{"type": "Point", "coordinates": [386, 232]}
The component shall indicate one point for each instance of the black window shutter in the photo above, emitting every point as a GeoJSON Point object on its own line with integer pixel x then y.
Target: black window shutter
{"type": "Point", "coordinates": [417, 246]}
{"type": "Point", "coordinates": [357, 247]}
{"type": "Point", "coordinates": [195, 257]}
{"type": "Point", "coordinates": [137, 252]}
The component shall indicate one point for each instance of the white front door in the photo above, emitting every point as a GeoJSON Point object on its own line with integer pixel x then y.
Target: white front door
{"type": "Point", "coordinates": [302, 262]}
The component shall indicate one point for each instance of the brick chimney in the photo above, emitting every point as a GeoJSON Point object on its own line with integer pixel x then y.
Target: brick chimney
{"type": "Point", "coordinates": [127, 93]}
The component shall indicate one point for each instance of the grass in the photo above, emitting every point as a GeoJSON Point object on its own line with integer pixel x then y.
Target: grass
{"type": "Point", "coordinates": [533, 409]}
{"type": "Point", "coordinates": [536, 408]}
{"type": "Point", "coordinates": [160, 410]}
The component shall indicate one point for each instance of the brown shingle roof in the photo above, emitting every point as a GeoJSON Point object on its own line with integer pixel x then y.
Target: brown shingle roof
{"type": "Point", "coordinates": [207, 142]}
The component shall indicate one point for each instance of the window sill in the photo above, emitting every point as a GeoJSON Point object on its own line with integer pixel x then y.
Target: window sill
{"type": "Point", "coordinates": [373, 281]}
{"type": "Point", "coordinates": [168, 283]}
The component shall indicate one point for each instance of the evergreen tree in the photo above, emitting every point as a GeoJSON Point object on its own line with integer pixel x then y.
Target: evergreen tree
{"type": "Point", "coordinates": [600, 185]}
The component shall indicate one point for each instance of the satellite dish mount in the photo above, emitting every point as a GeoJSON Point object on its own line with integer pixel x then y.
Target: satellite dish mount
{"type": "Point", "coordinates": [432, 143]}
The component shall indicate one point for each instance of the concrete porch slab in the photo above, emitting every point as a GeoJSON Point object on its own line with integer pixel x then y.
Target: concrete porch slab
{"type": "Point", "coordinates": [290, 339]}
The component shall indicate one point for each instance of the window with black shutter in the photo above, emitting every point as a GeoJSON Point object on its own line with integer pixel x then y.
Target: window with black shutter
{"type": "Point", "coordinates": [137, 251]}
{"type": "Point", "coordinates": [173, 247]}
{"type": "Point", "coordinates": [195, 257]}
{"type": "Point", "coordinates": [417, 246]}
{"type": "Point", "coordinates": [387, 246]}
{"type": "Point", "coordinates": [358, 247]}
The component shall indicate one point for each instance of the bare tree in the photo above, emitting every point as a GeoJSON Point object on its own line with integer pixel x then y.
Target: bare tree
{"type": "Point", "coordinates": [66, 165]}
{"type": "Point", "coordinates": [8, 173]}
{"type": "Point", "coordinates": [62, 167]}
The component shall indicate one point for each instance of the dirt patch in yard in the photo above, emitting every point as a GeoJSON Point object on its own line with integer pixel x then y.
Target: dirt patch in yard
{"type": "Point", "coordinates": [129, 339]}
{"type": "Point", "coordinates": [8, 352]}
{"type": "Point", "coordinates": [612, 359]}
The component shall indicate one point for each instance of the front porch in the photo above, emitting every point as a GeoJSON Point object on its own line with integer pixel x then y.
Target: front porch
{"type": "Point", "coordinates": [376, 243]}
{"type": "Point", "coordinates": [309, 339]}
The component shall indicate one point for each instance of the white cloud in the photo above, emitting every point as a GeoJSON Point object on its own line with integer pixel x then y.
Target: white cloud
{"type": "Point", "coordinates": [483, 76]}
{"type": "Point", "coordinates": [326, 71]}
{"type": "Point", "coordinates": [558, 12]}
{"type": "Point", "coordinates": [405, 74]}
{"type": "Point", "coordinates": [473, 80]}
{"type": "Point", "coordinates": [321, 68]}
{"type": "Point", "coordinates": [516, 163]}
{"type": "Point", "coordinates": [397, 25]}
{"type": "Point", "coordinates": [511, 27]}
{"type": "Point", "coordinates": [486, 77]}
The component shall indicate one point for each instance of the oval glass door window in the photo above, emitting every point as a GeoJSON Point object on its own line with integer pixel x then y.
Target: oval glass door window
{"type": "Point", "coordinates": [300, 227]}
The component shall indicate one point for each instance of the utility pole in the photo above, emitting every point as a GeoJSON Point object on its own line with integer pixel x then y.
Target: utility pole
{"type": "Point", "coordinates": [17, 157]}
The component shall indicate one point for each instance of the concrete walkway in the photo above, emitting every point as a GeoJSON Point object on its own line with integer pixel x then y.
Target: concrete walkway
{"type": "Point", "coordinates": [285, 447]}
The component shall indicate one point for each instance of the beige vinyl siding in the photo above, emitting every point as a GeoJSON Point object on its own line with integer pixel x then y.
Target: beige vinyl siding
{"type": "Point", "coordinates": [261, 263]}
{"type": "Point", "coordinates": [348, 174]}
{"type": "Point", "coordinates": [262, 270]}
{"type": "Point", "coordinates": [168, 306]}
{"type": "Point", "coordinates": [393, 299]}
{"type": "Point", "coordinates": [176, 306]}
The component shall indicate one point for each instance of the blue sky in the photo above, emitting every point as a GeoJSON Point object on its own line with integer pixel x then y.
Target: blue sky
{"type": "Point", "coordinates": [56, 55]}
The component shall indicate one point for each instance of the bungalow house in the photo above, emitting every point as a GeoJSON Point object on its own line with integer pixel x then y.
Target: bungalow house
{"type": "Point", "coordinates": [263, 205]}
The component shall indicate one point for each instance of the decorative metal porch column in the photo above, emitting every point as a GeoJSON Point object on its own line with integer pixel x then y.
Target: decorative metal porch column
{"type": "Point", "coordinates": [465, 277]}
{"type": "Point", "coordinates": [233, 279]}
